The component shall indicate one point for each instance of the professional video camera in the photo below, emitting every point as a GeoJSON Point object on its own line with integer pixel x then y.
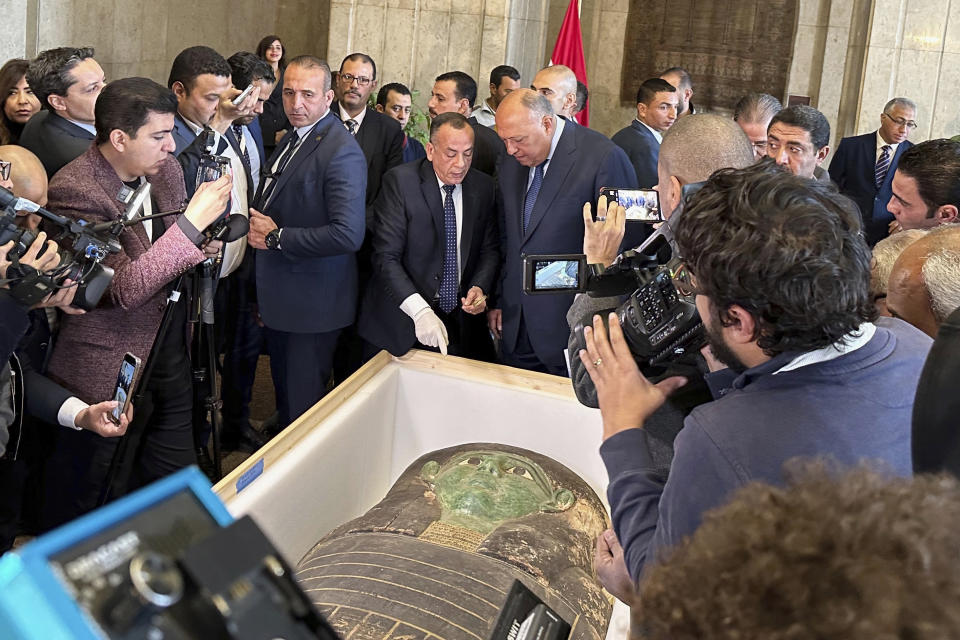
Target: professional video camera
{"type": "Point", "coordinates": [659, 317]}
{"type": "Point", "coordinates": [82, 249]}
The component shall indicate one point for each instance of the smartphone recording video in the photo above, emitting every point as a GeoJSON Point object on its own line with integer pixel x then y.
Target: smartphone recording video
{"type": "Point", "coordinates": [642, 205]}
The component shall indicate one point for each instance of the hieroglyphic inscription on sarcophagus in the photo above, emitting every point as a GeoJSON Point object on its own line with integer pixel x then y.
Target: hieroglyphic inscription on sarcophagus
{"type": "Point", "coordinates": [438, 555]}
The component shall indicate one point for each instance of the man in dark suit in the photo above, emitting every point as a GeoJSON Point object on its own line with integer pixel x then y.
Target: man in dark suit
{"type": "Point", "coordinates": [67, 82]}
{"type": "Point", "coordinates": [198, 77]}
{"type": "Point", "coordinates": [435, 250]}
{"type": "Point", "coordinates": [457, 91]}
{"type": "Point", "coordinates": [380, 137]}
{"type": "Point", "coordinates": [863, 166]}
{"type": "Point", "coordinates": [381, 140]}
{"type": "Point", "coordinates": [656, 112]}
{"type": "Point", "coordinates": [552, 172]}
{"type": "Point", "coordinates": [310, 228]}
{"type": "Point", "coordinates": [394, 100]}
{"type": "Point", "coordinates": [238, 334]}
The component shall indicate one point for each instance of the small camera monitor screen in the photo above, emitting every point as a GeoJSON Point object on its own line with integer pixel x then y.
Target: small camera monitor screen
{"type": "Point", "coordinates": [556, 274]}
{"type": "Point", "coordinates": [642, 205]}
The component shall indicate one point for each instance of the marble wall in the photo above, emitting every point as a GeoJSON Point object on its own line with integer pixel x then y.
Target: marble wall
{"type": "Point", "coordinates": [914, 51]}
{"type": "Point", "coordinates": [413, 41]}
{"type": "Point", "coordinates": [133, 37]}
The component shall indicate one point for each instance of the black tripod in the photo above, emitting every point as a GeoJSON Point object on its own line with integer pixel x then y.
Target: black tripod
{"type": "Point", "coordinates": [206, 388]}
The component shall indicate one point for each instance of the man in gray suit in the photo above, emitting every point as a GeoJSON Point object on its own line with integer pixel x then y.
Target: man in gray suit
{"type": "Point", "coordinates": [657, 102]}
{"type": "Point", "coordinates": [67, 82]}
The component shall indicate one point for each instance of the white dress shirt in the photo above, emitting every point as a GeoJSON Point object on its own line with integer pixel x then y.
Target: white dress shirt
{"type": "Point", "coordinates": [881, 143]}
{"type": "Point", "coordinates": [656, 134]}
{"type": "Point", "coordinates": [344, 116]}
{"type": "Point", "coordinates": [232, 251]}
{"type": "Point", "coordinates": [414, 303]}
{"type": "Point", "coordinates": [561, 123]}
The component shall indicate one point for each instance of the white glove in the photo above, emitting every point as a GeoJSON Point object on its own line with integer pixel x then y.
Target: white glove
{"type": "Point", "coordinates": [430, 330]}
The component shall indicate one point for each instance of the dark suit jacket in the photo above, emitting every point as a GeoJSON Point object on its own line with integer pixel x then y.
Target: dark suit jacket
{"type": "Point", "coordinates": [183, 135]}
{"type": "Point", "coordinates": [488, 148]}
{"type": "Point", "coordinates": [583, 163]}
{"type": "Point", "coordinates": [55, 140]}
{"type": "Point", "coordinates": [409, 245]}
{"type": "Point", "coordinates": [254, 129]}
{"type": "Point", "coordinates": [852, 168]}
{"type": "Point", "coordinates": [310, 285]}
{"type": "Point", "coordinates": [129, 314]}
{"type": "Point", "coordinates": [642, 149]}
{"type": "Point", "coordinates": [273, 118]}
{"type": "Point", "coordinates": [381, 140]}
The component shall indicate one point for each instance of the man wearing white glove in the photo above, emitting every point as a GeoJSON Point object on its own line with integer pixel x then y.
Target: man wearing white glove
{"type": "Point", "coordinates": [435, 251]}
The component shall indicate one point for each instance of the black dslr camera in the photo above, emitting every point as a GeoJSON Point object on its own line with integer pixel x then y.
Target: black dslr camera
{"type": "Point", "coordinates": [659, 317]}
{"type": "Point", "coordinates": [81, 253]}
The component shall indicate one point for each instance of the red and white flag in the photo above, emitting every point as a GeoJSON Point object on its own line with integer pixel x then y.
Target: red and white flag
{"type": "Point", "coordinates": [569, 51]}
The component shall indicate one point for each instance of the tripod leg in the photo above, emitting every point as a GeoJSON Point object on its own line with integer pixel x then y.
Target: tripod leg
{"type": "Point", "coordinates": [213, 400]}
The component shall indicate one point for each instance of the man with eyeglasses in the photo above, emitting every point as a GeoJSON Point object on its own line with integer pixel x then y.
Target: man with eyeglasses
{"type": "Point", "coordinates": [863, 166]}
{"type": "Point", "coordinates": [753, 113]}
{"type": "Point", "coordinates": [381, 139]}
{"type": "Point", "coordinates": [800, 366]}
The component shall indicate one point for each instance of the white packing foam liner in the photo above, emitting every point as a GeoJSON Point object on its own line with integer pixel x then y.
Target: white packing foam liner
{"type": "Point", "coordinates": [342, 456]}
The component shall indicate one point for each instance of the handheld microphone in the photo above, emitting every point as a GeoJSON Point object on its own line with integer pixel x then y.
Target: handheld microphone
{"type": "Point", "coordinates": [228, 229]}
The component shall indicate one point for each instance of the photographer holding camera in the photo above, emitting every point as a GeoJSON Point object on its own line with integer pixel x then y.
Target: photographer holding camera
{"type": "Point", "coordinates": [780, 275]}
{"type": "Point", "coordinates": [134, 121]}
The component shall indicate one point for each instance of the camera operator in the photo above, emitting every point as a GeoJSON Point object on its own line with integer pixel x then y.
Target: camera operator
{"type": "Point", "coordinates": [24, 392]}
{"type": "Point", "coordinates": [781, 278]}
{"type": "Point", "coordinates": [134, 121]}
{"type": "Point", "coordinates": [692, 149]}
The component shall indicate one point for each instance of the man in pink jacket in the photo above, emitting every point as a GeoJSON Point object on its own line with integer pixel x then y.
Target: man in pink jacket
{"type": "Point", "coordinates": [134, 120]}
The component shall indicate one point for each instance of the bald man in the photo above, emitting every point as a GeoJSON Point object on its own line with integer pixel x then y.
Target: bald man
{"type": "Point", "coordinates": [558, 85]}
{"type": "Point", "coordinates": [924, 285]}
{"type": "Point", "coordinates": [29, 180]}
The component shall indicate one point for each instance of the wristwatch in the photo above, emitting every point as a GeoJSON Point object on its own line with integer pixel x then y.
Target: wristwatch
{"type": "Point", "coordinates": [273, 240]}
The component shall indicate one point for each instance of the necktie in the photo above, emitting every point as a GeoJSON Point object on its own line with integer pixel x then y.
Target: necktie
{"type": "Point", "coordinates": [351, 125]}
{"type": "Point", "coordinates": [883, 165]}
{"type": "Point", "coordinates": [532, 192]}
{"type": "Point", "coordinates": [271, 179]}
{"type": "Point", "coordinates": [238, 131]}
{"type": "Point", "coordinates": [448, 285]}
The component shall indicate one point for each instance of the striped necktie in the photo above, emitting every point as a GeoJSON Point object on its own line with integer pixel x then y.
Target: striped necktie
{"type": "Point", "coordinates": [883, 165]}
{"type": "Point", "coordinates": [531, 198]}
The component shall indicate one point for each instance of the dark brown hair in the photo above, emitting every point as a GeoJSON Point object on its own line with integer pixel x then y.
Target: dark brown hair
{"type": "Point", "coordinates": [786, 249]}
{"type": "Point", "coordinates": [10, 75]}
{"type": "Point", "coordinates": [262, 51]}
{"type": "Point", "coordinates": [831, 555]}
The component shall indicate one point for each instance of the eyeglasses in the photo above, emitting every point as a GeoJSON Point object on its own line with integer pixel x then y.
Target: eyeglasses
{"type": "Point", "coordinates": [900, 122]}
{"type": "Point", "coordinates": [683, 281]}
{"type": "Point", "coordinates": [348, 78]}
{"type": "Point", "coordinates": [760, 145]}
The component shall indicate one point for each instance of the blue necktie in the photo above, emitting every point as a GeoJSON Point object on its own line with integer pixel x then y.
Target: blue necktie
{"type": "Point", "coordinates": [238, 131]}
{"type": "Point", "coordinates": [531, 198]}
{"type": "Point", "coordinates": [883, 165]}
{"type": "Point", "coordinates": [448, 285]}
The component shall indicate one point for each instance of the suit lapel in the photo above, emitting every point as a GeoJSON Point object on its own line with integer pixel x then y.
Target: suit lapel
{"type": "Point", "coordinates": [313, 138]}
{"type": "Point", "coordinates": [470, 214]}
{"type": "Point", "coordinates": [430, 188]}
{"type": "Point", "coordinates": [868, 157]}
{"type": "Point", "coordinates": [559, 167]}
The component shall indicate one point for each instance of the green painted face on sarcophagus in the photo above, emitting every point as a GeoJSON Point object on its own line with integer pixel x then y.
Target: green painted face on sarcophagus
{"type": "Point", "coordinates": [480, 490]}
{"type": "Point", "coordinates": [436, 557]}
